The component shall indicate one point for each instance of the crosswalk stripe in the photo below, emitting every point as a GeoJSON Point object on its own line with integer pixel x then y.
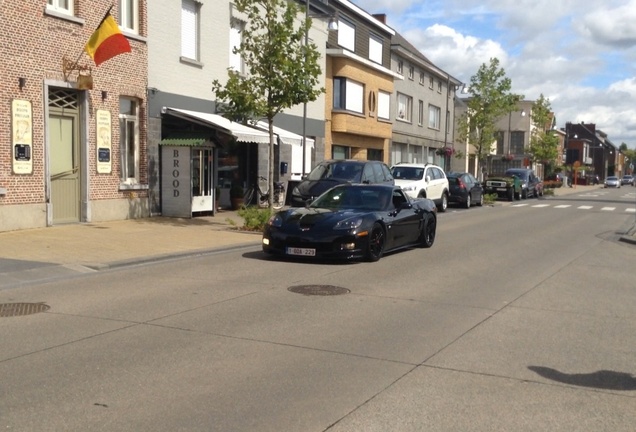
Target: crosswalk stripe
{"type": "Point", "coordinates": [541, 205]}
{"type": "Point", "coordinates": [584, 207]}
{"type": "Point", "coordinates": [519, 205]}
{"type": "Point", "coordinates": [563, 206]}
{"type": "Point", "coordinates": [608, 208]}
{"type": "Point", "coordinates": [630, 210]}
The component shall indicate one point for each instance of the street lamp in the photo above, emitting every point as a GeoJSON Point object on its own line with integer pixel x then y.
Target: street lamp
{"type": "Point", "coordinates": [331, 26]}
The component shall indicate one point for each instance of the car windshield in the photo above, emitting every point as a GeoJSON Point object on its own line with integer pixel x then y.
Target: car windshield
{"type": "Point", "coordinates": [612, 178]}
{"type": "Point", "coordinates": [518, 174]}
{"type": "Point", "coordinates": [354, 198]}
{"type": "Point", "coordinates": [339, 170]}
{"type": "Point", "coordinates": [407, 173]}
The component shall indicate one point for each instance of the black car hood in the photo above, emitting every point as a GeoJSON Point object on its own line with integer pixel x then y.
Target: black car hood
{"type": "Point", "coordinates": [315, 188]}
{"type": "Point", "coordinates": [308, 217]}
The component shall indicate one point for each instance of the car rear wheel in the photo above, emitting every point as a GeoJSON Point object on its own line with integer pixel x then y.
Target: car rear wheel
{"type": "Point", "coordinates": [467, 203]}
{"type": "Point", "coordinates": [377, 239]}
{"type": "Point", "coordinates": [481, 200]}
{"type": "Point", "coordinates": [427, 235]}
{"type": "Point", "coordinates": [444, 205]}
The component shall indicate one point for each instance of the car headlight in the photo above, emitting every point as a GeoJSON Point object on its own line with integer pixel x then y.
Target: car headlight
{"type": "Point", "coordinates": [347, 224]}
{"type": "Point", "coordinates": [409, 188]}
{"type": "Point", "coordinates": [275, 221]}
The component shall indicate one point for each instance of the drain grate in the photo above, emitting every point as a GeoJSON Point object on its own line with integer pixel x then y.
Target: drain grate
{"type": "Point", "coordinates": [319, 290]}
{"type": "Point", "coordinates": [8, 310]}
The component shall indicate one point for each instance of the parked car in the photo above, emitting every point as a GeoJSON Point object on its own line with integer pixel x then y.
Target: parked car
{"type": "Point", "coordinates": [627, 180]}
{"type": "Point", "coordinates": [508, 187]}
{"type": "Point", "coordinates": [423, 181]}
{"type": "Point", "coordinates": [531, 185]}
{"type": "Point", "coordinates": [350, 222]}
{"type": "Point", "coordinates": [465, 189]}
{"type": "Point", "coordinates": [329, 173]}
{"type": "Point", "coordinates": [612, 181]}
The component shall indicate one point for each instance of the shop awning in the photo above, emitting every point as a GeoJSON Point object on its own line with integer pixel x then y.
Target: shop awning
{"type": "Point", "coordinates": [285, 136]}
{"type": "Point", "coordinates": [188, 139]}
{"type": "Point", "coordinates": [240, 132]}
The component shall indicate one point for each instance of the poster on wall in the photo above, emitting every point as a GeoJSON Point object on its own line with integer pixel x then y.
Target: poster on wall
{"type": "Point", "coordinates": [22, 140]}
{"type": "Point", "coordinates": [104, 164]}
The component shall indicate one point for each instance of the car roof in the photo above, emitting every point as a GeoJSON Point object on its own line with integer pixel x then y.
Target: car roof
{"type": "Point", "coordinates": [415, 165]}
{"type": "Point", "coordinates": [348, 161]}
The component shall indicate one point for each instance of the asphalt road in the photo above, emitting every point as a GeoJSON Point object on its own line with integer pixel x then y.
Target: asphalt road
{"type": "Point", "coordinates": [520, 317]}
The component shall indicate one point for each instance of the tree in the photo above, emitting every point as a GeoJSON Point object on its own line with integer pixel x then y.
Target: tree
{"type": "Point", "coordinates": [281, 71]}
{"type": "Point", "coordinates": [544, 142]}
{"type": "Point", "coordinates": [490, 99]}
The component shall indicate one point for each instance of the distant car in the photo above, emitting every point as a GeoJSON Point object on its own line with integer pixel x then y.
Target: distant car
{"type": "Point", "coordinates": [330, 173]}
{"type": "Point", "coordinates": [352, 222]}
{"type": "Point", "coordinates": [423, 181]}
{"type": "Point", "coordinates": [465, 189]}
{"type": "Point", "coordinates": [627, 180]}
{"type": "Point", "coordinates": [612, 181]}
{"type": "Point", "coordinates": [531, 185]}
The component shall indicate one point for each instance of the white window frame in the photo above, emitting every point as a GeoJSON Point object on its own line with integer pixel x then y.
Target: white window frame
{"type": "Point", "coordinates": [411, 72]}
{"type": "Point", "coordinates": [129, 15]}
{"type": "Point", "coordinates": [57, 6]}
{"type": "Point", "coordinates": [346, 34]}
{"type": "Point", "coordinates": [375, 49]}
{"type": "Point", "coordinates": [422, 78]}
{"type": "Point", "coordinates": [404, 110]}
{"type": "Point", "coordinates": [420, 117]}
{"type": "Point", "coordinates": [439, 86]}
{"type": "Point", "coordinates": [353, 97]}
{"type": "Point", "coordinates": [400, 67]}
{"type": "Point", "coordinates": [384, 105]}
{"type": "Point", "coordinates": [236, 38]}
{"type": "Point", "coordinates": [434, 113]}
{"type": "Point", "coordinates": [431, 82]}
{"type": "Point", "coordinates": [190, 29]}
{"type": "Point", "coordinates": [128, 143]}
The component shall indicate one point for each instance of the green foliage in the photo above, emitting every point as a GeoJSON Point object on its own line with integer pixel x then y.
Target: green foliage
{"type": "Point", "coordinates": [544, 142]}
{"type": "Point", "coordinates": [490, 199]}
{"type": "Point", "coordinates": [281, 71]}
{"type": "Point", "coordinates": [255, 217]}
{"type": "Point", "coordinates": [490, 99]}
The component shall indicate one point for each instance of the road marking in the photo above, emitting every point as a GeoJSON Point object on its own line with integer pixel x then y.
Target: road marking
{"type": "Point", "coordinates": [541, 205]}
{"type": "Point", "coordinates": [563, 206]}
{"type": "Point", "coordinates": [519, 205]}
{"type": "Point", "coordinates": [608, 208]}
{"type": "Point", "coordinates": [584, 207]}
{"type": "Point", "coordinates": [630, 210]}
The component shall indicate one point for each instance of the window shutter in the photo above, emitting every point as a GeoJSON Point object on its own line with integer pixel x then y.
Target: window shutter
{"type": "Point", "coordinates": [189, 29]}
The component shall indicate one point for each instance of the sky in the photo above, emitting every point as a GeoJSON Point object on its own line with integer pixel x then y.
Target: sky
{"type": "Point", "coordinates": [580, 55]}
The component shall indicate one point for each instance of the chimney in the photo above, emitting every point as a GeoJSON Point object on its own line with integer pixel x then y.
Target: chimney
{"type": "Point", "coordinates": [380, 17]}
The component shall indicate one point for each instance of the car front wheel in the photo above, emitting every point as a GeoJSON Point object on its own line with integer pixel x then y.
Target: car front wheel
{"type": "Point", "coordinates": [444, 205]}
{"type": "Point", "coordinates": [427, 235]}
{"type": "Point", "coordinates": [377, 239]}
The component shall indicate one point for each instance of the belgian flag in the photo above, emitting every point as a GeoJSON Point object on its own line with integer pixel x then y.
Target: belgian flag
{"type": "Point", "coordinates": [107, 41]}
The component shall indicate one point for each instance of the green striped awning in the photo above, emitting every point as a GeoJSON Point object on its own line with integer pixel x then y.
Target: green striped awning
{"type": "Point", "coordinates": [189, 139]}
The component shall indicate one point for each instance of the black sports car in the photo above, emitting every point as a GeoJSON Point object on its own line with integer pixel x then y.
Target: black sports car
{"type": "Point", "coordinates": [350, 222]}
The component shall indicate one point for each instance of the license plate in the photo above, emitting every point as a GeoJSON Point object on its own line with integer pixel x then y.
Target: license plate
{"type": "Point", "coordinates": [301, 251]}
{"type": "Point", "coordinates": [501, 189]}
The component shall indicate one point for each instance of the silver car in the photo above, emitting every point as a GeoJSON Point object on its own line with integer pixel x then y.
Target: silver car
{"type": "Point", "coordinates": [612, 181]}
{"type": "Point", "coordinates": [627, 180]}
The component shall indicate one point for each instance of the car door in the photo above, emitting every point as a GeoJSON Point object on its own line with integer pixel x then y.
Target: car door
{"type": "Point", "coordinates": [405, 221]}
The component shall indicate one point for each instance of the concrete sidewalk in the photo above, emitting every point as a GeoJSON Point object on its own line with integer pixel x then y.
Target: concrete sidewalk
{"type": "Point", "coordinates": [110, 244]}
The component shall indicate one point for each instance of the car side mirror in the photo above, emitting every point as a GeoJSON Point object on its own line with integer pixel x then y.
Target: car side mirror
{"type": "Point", "coordinates": [428, 179]}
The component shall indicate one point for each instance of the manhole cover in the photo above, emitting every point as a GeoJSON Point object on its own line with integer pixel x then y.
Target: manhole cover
{"type": "Point", "coordinates": [320, 290]}
{"type": "Point", "coordinates": [8, 310]}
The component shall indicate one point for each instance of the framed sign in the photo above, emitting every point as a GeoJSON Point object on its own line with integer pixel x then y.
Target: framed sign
{"type": "Point", "coordinates": [103, 151]}
{"type": "Point", "coordinates": [22, 139]}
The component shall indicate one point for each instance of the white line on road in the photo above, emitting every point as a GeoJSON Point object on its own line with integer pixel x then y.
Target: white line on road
{"type": "Point", "coordinates": [541, 205]}
{"type": "Point", "coordinates": [608, 208]}
{"type": "Point", "coordinates": [519, 205]}
{"type": "Point", "coordinates": [563, 206]}
{"type": "Point", "coordinates": [630, 210]}
{"type": "Point", "coordinates": [584, 207]}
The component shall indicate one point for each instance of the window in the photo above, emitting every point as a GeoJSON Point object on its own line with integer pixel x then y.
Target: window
{"type": "Point", "coordinates": [236, 31]}
{"type": "Point", "coordinates": [129, 15]}
{"type": "Point", "coordinates": [399, 153]}
{"type": "Point", "coordinates": [420, 117]}
{"type": "Point", "coordinates": [439, 86]}
{"type": "Point", "coordinates": [400, 67]}
{"type": "Point", "coordinates": [384, 105]}
{"type": "Point", "coordinates": [348, 95]}
{"type": "Point", "coordinates": [375, 49]}
{"type": "Point", "coordinates": [340, 152]}
{"type": "Point", "coordinates": [516, 143]}
{"type": "Point", "coordinates": [433, 116]}
{"type": "Point", "coordinates": [411, 72]}
{"type": "Point", "coordinates": [430, 82]}
{"type": "Point", "coordinates": [376, 155]}
{"type": "Point", "coordinates": [422, 78]}
{"type": "Point", "coordinates": [346, 34]}
{"type": "Point", "coordinates": [129, 140]}
{"type": "Point", "coordinates": [189, 29]}
{"type": "Point", "coordinates": [404, 107]}
{"type": "Point", "coordinates": [62, 6]}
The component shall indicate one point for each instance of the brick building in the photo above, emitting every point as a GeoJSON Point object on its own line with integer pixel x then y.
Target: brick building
{"type": "Point", "coordinates": [72, 135]}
